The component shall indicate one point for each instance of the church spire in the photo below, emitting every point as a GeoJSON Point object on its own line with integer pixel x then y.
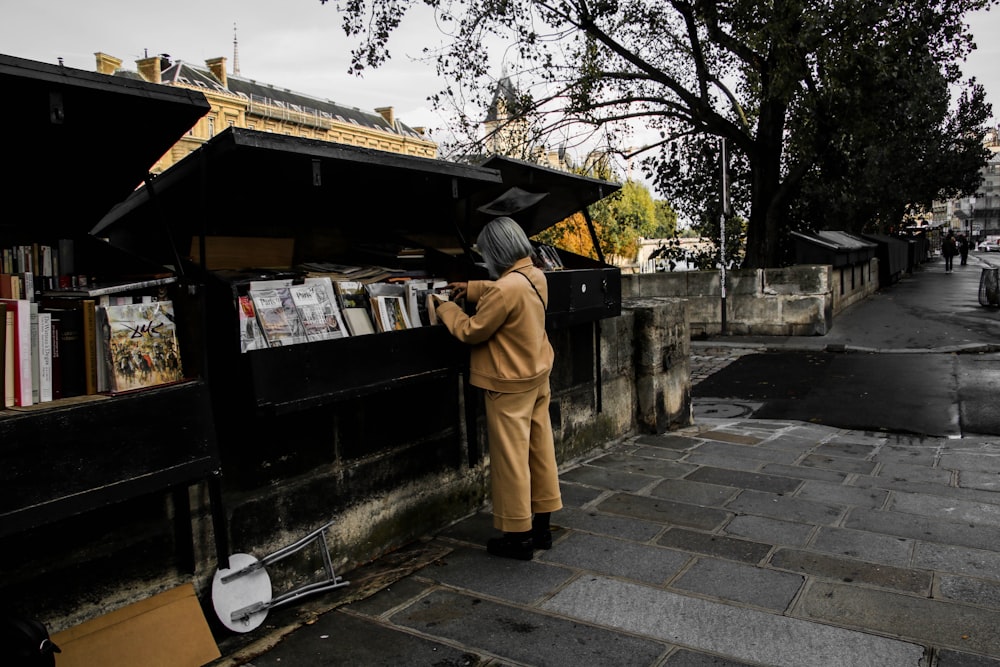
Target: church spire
{"type": "Point", "coordinates": [236, 53]}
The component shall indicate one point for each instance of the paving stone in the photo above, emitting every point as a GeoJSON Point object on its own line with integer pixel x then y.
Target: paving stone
{"type": "Point", "coordinates": [852, 571]}
{"type": "Point", "coordinates": [360, 641]}
{"type": "Point", "coordinates": [664, 511]}
{"type": "Point", "coordinates": [789, 444]}
{"type": "Point", "coordinates": [522, 635]}
{"type": "Point", "coordinates": [657, 453]}
{"type": "Point", "coordinates": [784, 507]}
{"type": "Point", "coordinates": [740, 583]}
{"type": "Point", "coordinates": [982, 514]}
{"type": "Point", "coordinates": [642, 465]}
{"type": "Point", "coordinates": [402, 592]}
{"type": "Point", "coordinates": [923, 528]}
{"type": "Point", "coordinates": [612, 525]}
{"type": "Point", "coordinates": [770, 531]}
{"type": "Point", "coordinates": [630, 560]}
{"type": "Point", "coordinates": [966, 589]}
{"type": "Point", "coordinates": [838, 494]}
{"type": "Point", "coordinates": [715, 545]}
{"type": "Point", "coordinates": [669, 441]}
{"type": "Point", "coordinates": [724, 436]}
{"type": "Point", "coordinates": [890, 453]}
{"type": "Point", "coordinates": [927, 488]}
{"type": "Point", "coordinates": [800, 473]}
{"type": "Point", "coordinates": [846, 449]}
{"type": "Point", "coordinates": [841, 465]}
{"type": "Point", "coordinates": [945, 624]}
{"type": "Point", "coordinates": [577, 495]}
{"type": "Point", "coordinates": [721, 460]}
{"type": "Point", "coordinates": [695, 493]}
{"type": "Point", "coordinates": [605, 478]}
{"type": "Point", "coordinates": [987, 462]}
{"type": "Point", "coordinates": [946, 658]}
{"type": "Point", "coordinates": [871, 547]}
{"type": "Point", "coordinates": [914, 473]}
{"type": "Point", "coordinates": [736, 633]}
{"type": "Point", "coordinates": [686, 658]}
{"type": "Point", "coordinates": [737, 452]}
{"type": "Point", "coordinates": [517, 581]}
{"type": "Point", "coordinates": [959, 560]}
{"type": "Point", "coordinates": [987, 481]}
{"type": "Point", "coordinates": [744, 480]}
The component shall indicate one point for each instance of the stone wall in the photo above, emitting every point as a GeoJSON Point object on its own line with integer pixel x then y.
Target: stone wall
{"type": "Point", "coordinates": [792, 301]}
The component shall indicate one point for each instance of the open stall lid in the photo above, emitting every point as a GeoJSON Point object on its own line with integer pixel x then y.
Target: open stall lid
{"type": "Point", "coordinates": [80, 142]}
{"type": "Point", "coordinates": [247, 182]}
{"type": "Point", "coordinates": [538, 197]}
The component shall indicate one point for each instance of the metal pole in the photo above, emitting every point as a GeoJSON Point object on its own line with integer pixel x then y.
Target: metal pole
{"type": "Point", "coordinates": [722, 228]}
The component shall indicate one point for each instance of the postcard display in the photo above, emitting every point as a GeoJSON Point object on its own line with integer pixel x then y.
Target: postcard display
{"type": "Point", "coordinates": [67, 458]}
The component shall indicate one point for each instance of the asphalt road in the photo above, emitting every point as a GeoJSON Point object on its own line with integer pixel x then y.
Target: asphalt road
{"type": "Point", "coordinates": [921, 356]}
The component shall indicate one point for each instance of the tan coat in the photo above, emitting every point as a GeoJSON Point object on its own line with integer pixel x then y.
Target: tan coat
{"type": "Point", "coordinates": [510, 349]}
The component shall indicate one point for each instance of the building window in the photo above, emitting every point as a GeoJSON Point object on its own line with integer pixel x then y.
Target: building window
{"type": "Point", "coordinates": [211, 127]}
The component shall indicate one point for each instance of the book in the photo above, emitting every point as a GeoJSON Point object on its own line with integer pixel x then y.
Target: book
{"type": "Point", "coordinates": [89, 334]}
{"type": "Point", "coordinates": [318, 309]}
{"type": "Point", "coordinates": [391, 313]}
{"type": "Point", "coordinates": [68, 325]}
{"type": "Point", "coordinates": [35, 354]}
{"type": "Point", "coordinates": [251, 337]}
{"type": "Point", "coordinates": [416, 299]}
{"type": "Point", "coordinates": [430, 305]}
{"type": "Point", "coordinates": [8, 356]}
{"type": "Point", "coordinates": [20, 310]}
{"type": "Point", "coordinates": [54, 334]}
{"type": "Point", "coordinates": [358, 321]}
{"type": "Point", "coordinates": [44, 357]}
{"type": "Point", "coordinates": [105, 289]}
{"type": "Point", "coordinates": [277, 316]}
{"type": "Point", "coordinates": [103, 334]}
{"type": "Point", "coordinates": [141, 349]}
{"type": "Point", "coordinates": [350, 294]}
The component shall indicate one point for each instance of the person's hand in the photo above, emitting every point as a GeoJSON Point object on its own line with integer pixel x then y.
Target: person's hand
{"type": "Point", "coordinates": [458, 290]}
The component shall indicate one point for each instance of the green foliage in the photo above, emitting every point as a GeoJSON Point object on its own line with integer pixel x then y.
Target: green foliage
{"type": "Point", "coordinates": [835, 111]}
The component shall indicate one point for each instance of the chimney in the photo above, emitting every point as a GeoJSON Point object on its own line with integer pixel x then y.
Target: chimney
{"type": "Point", "coordinates": [149, 69]}
{"type": "Point", "coordinates": [218, 68]}
{"type": "Point", "coordinates": [107, 64]}
{"type": "Point", "coordinates": [389, 114]}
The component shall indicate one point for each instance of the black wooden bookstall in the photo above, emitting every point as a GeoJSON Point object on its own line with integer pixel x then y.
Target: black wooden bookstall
{"type": "Point", "coordinates": [282, 412]}
{"type": "Point", "coordinates": [92, 469]}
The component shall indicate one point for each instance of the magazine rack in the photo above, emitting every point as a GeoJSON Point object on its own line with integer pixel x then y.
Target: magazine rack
{"type": "Point", "coordinates": [241, 593]}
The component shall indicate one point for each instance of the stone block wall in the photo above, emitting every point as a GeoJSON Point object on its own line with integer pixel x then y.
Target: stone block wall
{"type": "Point", "coordinates": [790, 301]}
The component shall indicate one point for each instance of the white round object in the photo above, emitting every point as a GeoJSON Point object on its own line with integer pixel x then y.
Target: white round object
{"type": "Point", "coordinates": [241, 592]}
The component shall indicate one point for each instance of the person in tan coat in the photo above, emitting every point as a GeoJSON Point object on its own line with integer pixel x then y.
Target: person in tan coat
{"type": "Point", "coordinates": [511, 359]}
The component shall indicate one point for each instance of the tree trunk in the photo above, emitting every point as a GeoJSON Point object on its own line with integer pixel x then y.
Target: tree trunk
{"type": "Point", "coordinates": [766, 209]}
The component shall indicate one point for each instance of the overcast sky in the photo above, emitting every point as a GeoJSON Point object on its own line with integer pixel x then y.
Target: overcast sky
{"type": "Point", "coordinates": [295, 44]}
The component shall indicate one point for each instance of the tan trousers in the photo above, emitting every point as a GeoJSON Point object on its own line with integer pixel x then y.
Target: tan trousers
{"type": "Point", "coordinates": [523, 472]}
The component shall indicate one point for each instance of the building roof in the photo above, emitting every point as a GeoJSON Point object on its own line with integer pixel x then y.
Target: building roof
{"type": "Point", "coordinates": [181, 72]}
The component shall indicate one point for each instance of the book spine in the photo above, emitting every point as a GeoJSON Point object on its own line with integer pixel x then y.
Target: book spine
{"type": "Point", "coordinates": [44, 357]}
{"type": "Point", "coordinates": [57, 372]}
{"type": "Point", "coordinates": [10, 374]}
{"type": "Point", "coordinates": [90, 345]}
{"type": "Point", "coordinates": [21, 309]}
{"type": "Point", "coordinates": [72, 373]}
{"type": "Point", "coordinates": [36, 377]}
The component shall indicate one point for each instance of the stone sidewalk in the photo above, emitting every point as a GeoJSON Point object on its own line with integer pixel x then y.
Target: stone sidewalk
{"type": "Point", "coordinates": [732, 542]}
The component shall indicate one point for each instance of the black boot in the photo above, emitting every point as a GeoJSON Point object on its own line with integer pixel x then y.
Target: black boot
{"type": "Point", "coordinates": [541, 535]}
{"type": "Point", "coordinates": [512, 545]}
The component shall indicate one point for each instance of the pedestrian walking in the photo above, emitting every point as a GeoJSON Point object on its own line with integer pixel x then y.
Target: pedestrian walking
{"type": "Point", "coordinates": [963, 248]}
{"type": "Point", "coordinates": [949, 248]}
{"type": "Point", "coordinates": [511, 359]}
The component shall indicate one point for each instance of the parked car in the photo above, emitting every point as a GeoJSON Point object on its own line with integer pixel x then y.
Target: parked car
{"type": "Point", "coordinates": [989, 246]}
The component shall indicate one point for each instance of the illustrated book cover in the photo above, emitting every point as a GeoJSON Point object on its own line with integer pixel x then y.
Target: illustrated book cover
{"type": "Point", "coordinates": [318, 309]}
{"type": "Point", "coordinates": [141, 349]}
{"type": "Point", "coordinates": [391, 313]}
{"type": "Point", "coordinates": [251, 337]}
{"type": "Point", "coordinates": [277, 316]}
